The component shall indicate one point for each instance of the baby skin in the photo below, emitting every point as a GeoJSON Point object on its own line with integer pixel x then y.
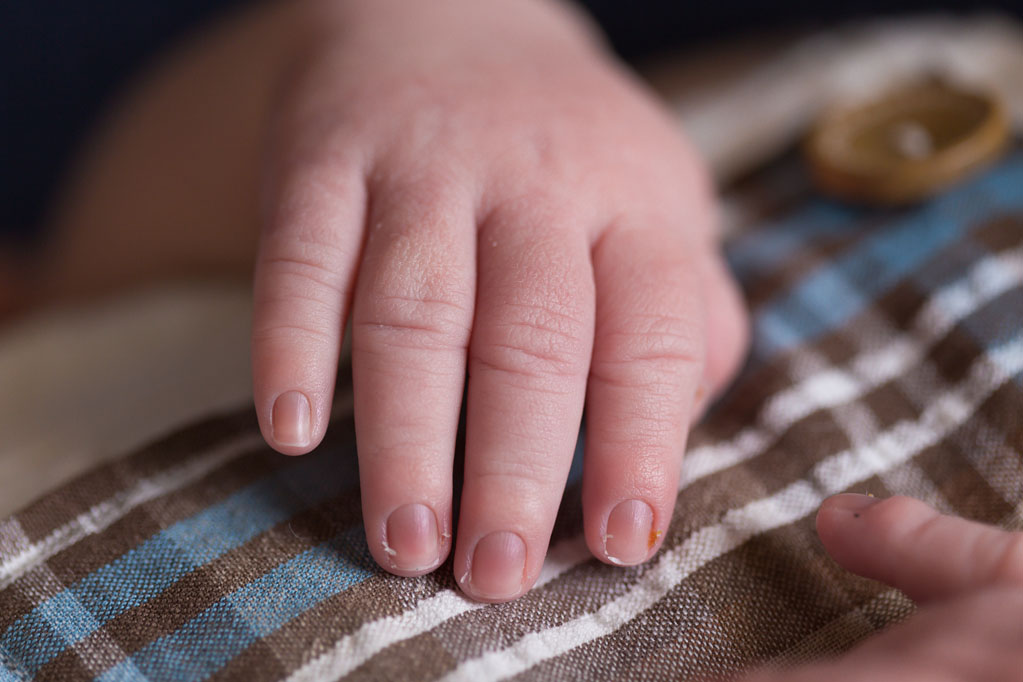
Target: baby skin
{"type": "Point", "coordinates": [479, 190]}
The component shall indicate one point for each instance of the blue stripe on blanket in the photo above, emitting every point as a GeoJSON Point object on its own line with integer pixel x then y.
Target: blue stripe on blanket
{"type": "Point", "coordinates": [832, 295]}
{"type": "Point", "coordinates": [772, 244]}
{"type": "Point", "coordinates": [207, 642]}
{"type": "Point", "coordinates": [159, 562]}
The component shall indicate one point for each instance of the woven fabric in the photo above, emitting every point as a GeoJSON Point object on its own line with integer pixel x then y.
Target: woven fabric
{"type": "Point", "coordinates": [888, 358]}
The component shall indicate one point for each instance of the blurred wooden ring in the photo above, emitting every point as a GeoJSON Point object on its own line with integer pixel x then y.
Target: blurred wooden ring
{"type": "Point", "coordinates": [907, 145]}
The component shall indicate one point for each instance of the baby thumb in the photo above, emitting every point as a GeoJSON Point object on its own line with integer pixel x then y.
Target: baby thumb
{"type": "Point", "coordinates": [908, 545]}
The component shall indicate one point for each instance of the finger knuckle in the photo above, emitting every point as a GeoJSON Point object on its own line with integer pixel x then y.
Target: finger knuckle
{"type": "Point", "coordinates": [536, 340]}
{"type": "Point", "coordinates": [301, 272]}
{"type": "Point", "coordinates": [647, 350]}
{"type": "Point", "coordinates": [520, 474]}
{"type": "Point", "coordinates": [291, 334]}
{"type": "Point", "coordinates": [297, 296]}
{"type": "Point", "coordinates": [416, 300]}
{"type": "Point", "coordinates": [415, 321]}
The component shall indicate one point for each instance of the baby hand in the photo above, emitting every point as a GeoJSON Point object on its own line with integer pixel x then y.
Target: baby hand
{"type": "Point", "coordinates": [480, 190]}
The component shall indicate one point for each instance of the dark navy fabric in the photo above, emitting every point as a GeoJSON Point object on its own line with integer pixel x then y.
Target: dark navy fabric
{"type": "Point", "coordinates": [62, 60]}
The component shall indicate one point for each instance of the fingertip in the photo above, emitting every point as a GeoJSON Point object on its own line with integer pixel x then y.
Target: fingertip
{"type": "Point", "coordinates": [907, 544]}
{"type": "Point", "coordinates": [844, 506]}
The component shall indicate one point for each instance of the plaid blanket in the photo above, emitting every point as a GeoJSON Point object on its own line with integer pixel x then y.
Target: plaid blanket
{"type": "Point", "coordinates": [888, 358]}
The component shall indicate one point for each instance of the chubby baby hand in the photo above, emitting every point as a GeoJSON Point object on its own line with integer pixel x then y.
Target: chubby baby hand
{"type": "Point", "coordinates": [480, 190]}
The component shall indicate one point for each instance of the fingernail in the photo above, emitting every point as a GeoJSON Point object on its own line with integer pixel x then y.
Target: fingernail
{"type": "Point", "coordinates": [497, 566]}
{"type": "Point", "coordinates": [412, 542]}
{"type": "Point", "coordinates": [853, 502]}
{"type": "Point", "coordinates": [290, 419]}
{"type": "Point", "coordinates": [630, 535]}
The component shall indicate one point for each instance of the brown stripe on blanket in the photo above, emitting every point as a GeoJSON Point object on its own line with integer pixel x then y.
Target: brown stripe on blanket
{"type": "Point", "coordinates": [303, 638]}
{"type": "Point", "coordinates": [999, 319]}
{"type": "Point", "coordinates": [34, 587]}
{"type": "Point", "coordinates": [761, 598]}
{"type": "Point", "coordinates": [793, 453]}
{"type": "Point", "coordinates": [54, 510]}
{"type": "Point", "coordinates": [426, 657]}
{"type": "Point", "coordinates": [889, 405]}
{"type": "Point", "coordinates": [888, 607]}
{"type": "Point", "coordinates": [1002, 412]}
{"type": "Point", "coordinates": [579, 591]}
{"type": "Point", "coordinates": [993, 451]}
{"type": "Point", "coordinates": [902, 302]}
{"type": "Point", "coordinates": [198, 590]}
{"type": "Point", "coordinates": [1000, 232]}
{"type": "Point", "coordinates": [147, 519]}
{"type": "Point", "coordinates": [63, 505]}
{"type": "Point", "coordinates": [315, 631]}
{"type": "Point", "coordinates": [760, 287]}
{"type": "Point", "coordinates": [950, 466]}
{"type": "Point", "coordinates": [770, 192]}
{"type": "Point", "coordinates": [258, 663]}
{"type": "Point", "coordinates": [742, 403]}
{"type": "Point", "coordinates": [888, 401]}
{"type": "Point", "coordinates": [98, 549]}
{"type": "Point", "coordinates": [898, 400]}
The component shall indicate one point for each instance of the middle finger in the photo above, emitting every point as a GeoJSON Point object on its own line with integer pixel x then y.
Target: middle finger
{"type": "Point", "coordinates": [528, 363]}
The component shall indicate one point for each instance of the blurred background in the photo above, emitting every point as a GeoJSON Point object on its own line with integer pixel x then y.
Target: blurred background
{"type": "Point", "coordinates": [126, 241]}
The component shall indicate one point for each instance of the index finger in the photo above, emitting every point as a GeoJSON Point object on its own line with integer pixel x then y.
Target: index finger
{"type": "Point", "coordinates": [906, 544]}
